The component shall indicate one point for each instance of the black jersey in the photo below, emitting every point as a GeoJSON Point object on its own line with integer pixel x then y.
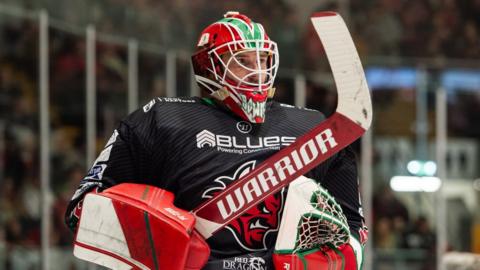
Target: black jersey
{"type": "Point", "coordinates": [194, 148]}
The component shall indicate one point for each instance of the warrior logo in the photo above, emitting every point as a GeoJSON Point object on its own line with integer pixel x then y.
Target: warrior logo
{"type": "Point", "coordinates": [251, 229]}
{"type": "Point", "coordinates": [244, 127]}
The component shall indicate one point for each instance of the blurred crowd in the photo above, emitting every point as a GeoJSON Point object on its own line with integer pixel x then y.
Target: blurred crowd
{"type": "Point", "coordinates": [446, 28]}
{"type": "Point", "coordinates": [408, 28]}
{"type": "Point", "coordinates": [398, 231]}
{"type": "Point", "coordinates": [20, 213]}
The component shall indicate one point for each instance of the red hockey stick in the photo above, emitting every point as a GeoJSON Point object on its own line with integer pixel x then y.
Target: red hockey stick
{"type": "Point", "coordinates": [350, 121]}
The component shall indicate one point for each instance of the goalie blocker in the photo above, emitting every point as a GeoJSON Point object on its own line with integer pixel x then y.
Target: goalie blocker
{"type": "Point", "coordinates": [134, 226]}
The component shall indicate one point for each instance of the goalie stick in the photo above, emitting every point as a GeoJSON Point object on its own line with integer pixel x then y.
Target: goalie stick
{"type": "Point", "coordinates": [349, 122]}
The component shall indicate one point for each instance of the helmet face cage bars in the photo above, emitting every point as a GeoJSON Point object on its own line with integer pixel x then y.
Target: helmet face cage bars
{"type": "Point", "coordinates": [257, 78]}
{"type": "Point", "coordinates": [220, 71]}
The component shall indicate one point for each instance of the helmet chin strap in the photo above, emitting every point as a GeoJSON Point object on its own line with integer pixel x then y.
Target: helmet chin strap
{"type": "Point", "coordinates": [271, 92]}
{"type": "Point", "coordinates": [220, 94]}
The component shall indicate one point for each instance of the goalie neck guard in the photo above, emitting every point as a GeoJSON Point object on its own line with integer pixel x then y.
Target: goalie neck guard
{"type": "Point", "coordinates": [236, 63]}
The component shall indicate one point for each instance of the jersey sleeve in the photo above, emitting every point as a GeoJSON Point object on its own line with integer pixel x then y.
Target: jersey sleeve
{"type": "Point", "coordinates": [125, 158]}
{"type": "Point", "coordinates": [341, 180]}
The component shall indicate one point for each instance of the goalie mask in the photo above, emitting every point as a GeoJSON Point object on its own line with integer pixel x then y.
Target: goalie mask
{"type": "Point", "coordinates": [236, 63]}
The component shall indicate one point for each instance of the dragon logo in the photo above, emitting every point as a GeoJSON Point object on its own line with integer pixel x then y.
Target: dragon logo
{"type": "Point", "coordinates": [251, 229]}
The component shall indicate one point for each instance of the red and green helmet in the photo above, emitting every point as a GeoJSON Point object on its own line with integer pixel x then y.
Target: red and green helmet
{"type": "Point", "coordinates": [236, 62]}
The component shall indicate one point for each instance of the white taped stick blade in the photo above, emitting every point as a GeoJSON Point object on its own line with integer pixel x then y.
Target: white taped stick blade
{"type": "Point", "coordinates": [353, 93]}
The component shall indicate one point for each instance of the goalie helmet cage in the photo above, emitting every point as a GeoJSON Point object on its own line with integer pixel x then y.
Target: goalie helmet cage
{"type": "Point", "coordinates": [349, 122]}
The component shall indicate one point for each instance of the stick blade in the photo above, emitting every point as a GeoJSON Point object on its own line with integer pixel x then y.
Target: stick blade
{"type": "Point", "coordinates": [353, 93]}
